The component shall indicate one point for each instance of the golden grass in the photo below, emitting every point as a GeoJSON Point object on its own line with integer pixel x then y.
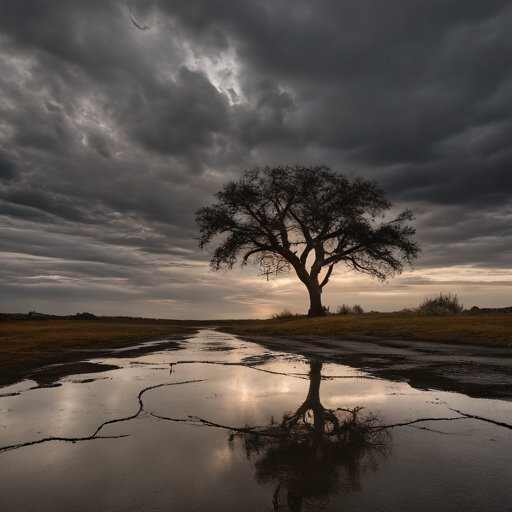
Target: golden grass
{"type": "Point", "coordinates": [26, 345]}
{"type": "Point", "coordinates": [76, 334]}
{"type": "Point", "coordinates": [494, 329]}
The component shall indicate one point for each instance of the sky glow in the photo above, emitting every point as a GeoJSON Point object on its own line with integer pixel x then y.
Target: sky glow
{"type": "Point", "coordinates": [118, 120]}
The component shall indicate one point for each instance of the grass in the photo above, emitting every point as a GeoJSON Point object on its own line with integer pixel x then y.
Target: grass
{"type": "Point", "coordinates": [491, 330]}
{"type": "Point", "coordinates": [27, 345]}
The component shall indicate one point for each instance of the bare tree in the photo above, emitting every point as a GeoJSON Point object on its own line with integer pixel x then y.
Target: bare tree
{"type": "Point", "coordinates": [308, 219]}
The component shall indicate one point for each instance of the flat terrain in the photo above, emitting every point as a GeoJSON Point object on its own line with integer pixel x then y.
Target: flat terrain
{"type": "Point", "coordinates": [27, 345]}
{"type": "Point", "coordinates": [490, 330]}
{"type": "Point", "coordinates": [475, 370]}
{"type": "Point", "coordinates": [466, 354]}
{"type": "Point", "coordinates": [30, 344]}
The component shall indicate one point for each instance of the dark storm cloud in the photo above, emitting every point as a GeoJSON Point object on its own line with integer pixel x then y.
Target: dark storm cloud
{"type": "Point", "coordinates": [7, 167]}
{"type": "Point", "coordinates": [388, 81]}
{"type": "Point", "coordinates": [118, 120]}
{"type": "Point", "coordinates": [179, 117]}
{"type": "Point", "coordinates": [46, 201]}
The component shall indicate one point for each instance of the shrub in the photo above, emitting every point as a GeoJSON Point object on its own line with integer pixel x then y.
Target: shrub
{"type": "Point", "coordinates": [357, 309]}
{"type": "Point", "coordinates": [85, 316]}
{"type": "Point", "coordinates": [442, 304]}
{"type": "Point", "coordinates": [344, 309]}
{"type": "Point", "coordinates": [283, 315]}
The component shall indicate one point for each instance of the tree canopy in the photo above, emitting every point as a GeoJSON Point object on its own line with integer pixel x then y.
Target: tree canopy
{"type": "Point", "coordinates": [308, 219]}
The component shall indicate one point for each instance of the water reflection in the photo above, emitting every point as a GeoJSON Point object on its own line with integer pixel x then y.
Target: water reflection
{"type": "Point", "coordinates": [315, 452]}
{"type": "Point", "coordinates": [136, 436]}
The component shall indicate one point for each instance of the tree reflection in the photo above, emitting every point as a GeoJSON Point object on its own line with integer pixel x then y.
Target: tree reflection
{"type": "Point", "coordinates": [315, 452]}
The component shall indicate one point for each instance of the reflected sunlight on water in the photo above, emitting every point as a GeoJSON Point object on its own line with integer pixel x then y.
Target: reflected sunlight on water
{"type": "Point", "coordinates": [205, 428]}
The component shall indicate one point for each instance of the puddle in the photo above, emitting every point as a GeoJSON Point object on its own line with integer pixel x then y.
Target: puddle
{"type": "Point", "coordinates": [222, 424]}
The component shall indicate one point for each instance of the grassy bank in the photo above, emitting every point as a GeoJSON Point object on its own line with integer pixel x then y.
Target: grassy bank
{"type": "Point", "coordinates": [27, 345]}
{"type": "Point", "coordinates": [492, 329]}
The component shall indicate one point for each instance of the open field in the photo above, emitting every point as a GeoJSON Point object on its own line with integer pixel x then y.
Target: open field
{"type": "Point", "coordinates": [490, 330]}
{"type": "Point", "coordinates": [26, 345]}
{"type": "Point", "coordinates": [29, 344]}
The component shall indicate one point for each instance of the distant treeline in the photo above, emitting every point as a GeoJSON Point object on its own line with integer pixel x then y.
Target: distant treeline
{"type": "Point", "coordinates": [475, 310]}
{"type": "Point", "coordinates": [34, 316]}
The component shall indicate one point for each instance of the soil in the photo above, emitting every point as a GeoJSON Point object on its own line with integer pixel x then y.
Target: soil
{"type": "Point", "coordinates": [477, 371]}
{"type": "Point", "coordinates": [72, 362]}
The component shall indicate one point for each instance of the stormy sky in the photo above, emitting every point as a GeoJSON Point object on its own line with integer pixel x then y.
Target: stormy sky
{"type": "Point", "coordinates": [118, 120]}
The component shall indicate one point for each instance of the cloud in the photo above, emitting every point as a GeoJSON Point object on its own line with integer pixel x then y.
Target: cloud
{"type": "Point", "coordinates": [118, 120]}
{"type": "Point", "coordinates": [7, 167]}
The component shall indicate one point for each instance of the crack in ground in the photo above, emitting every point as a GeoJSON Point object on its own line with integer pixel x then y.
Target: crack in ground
{"type": "Point", "coordinates": [194, 420]}
{"type": "Point", "coordinates": [95, 435]}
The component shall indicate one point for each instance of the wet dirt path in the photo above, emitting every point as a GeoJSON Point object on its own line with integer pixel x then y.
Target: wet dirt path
{"type": "Point", "coordinates": [217, 423]}
{"type": "Point", "coordinates": [478, 371]}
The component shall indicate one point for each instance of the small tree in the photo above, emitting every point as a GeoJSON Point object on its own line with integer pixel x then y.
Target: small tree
{"type": "Point", "coordinates": [308, 219]}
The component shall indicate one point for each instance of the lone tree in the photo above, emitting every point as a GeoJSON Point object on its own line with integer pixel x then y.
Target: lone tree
{"type": "Point", "coordinates": [308, 218]}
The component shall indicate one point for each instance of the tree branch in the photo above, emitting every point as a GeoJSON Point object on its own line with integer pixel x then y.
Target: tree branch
{"type": "Point", "coordinates": [327, 276]}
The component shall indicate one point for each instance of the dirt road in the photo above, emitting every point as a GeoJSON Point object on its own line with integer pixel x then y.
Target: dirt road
{"type": "Point", "coordinates": [484, 372]}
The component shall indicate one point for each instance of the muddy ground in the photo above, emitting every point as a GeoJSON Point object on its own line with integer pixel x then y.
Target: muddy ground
{"type": "Point", "coordinates": [75, 362]}
{"type": "Point", "coordinates": [478, 371]}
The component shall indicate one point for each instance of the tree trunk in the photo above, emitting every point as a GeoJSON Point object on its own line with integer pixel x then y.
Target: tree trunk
{"type": "Point", "coordinates": [315, 301]}
{"type": "Point", "coordinates": [312, 402]}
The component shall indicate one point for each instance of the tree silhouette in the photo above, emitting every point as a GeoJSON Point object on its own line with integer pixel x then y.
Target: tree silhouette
{"type": "Point", "coordinates": [308, 219]}
{"type": "Point", "coordinates": [315, 452]}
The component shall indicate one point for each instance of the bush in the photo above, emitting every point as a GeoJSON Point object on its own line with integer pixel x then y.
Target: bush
{"type": "Point", "coordinates": [285, 314]}
{"type": "Point", "coordinates": [442, 304]}
{"type": "Point", "coordinates": [345, 309]}
{"type": "Point", "coordinates": [357, 309]}
{"type": "Point", "coordinates": [85, 316]}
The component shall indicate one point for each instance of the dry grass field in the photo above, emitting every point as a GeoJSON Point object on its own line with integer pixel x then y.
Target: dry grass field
{"type": "Point", "coordinates": [27, 345]}
{"type": "Point", "coordinates": [491, 329]}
